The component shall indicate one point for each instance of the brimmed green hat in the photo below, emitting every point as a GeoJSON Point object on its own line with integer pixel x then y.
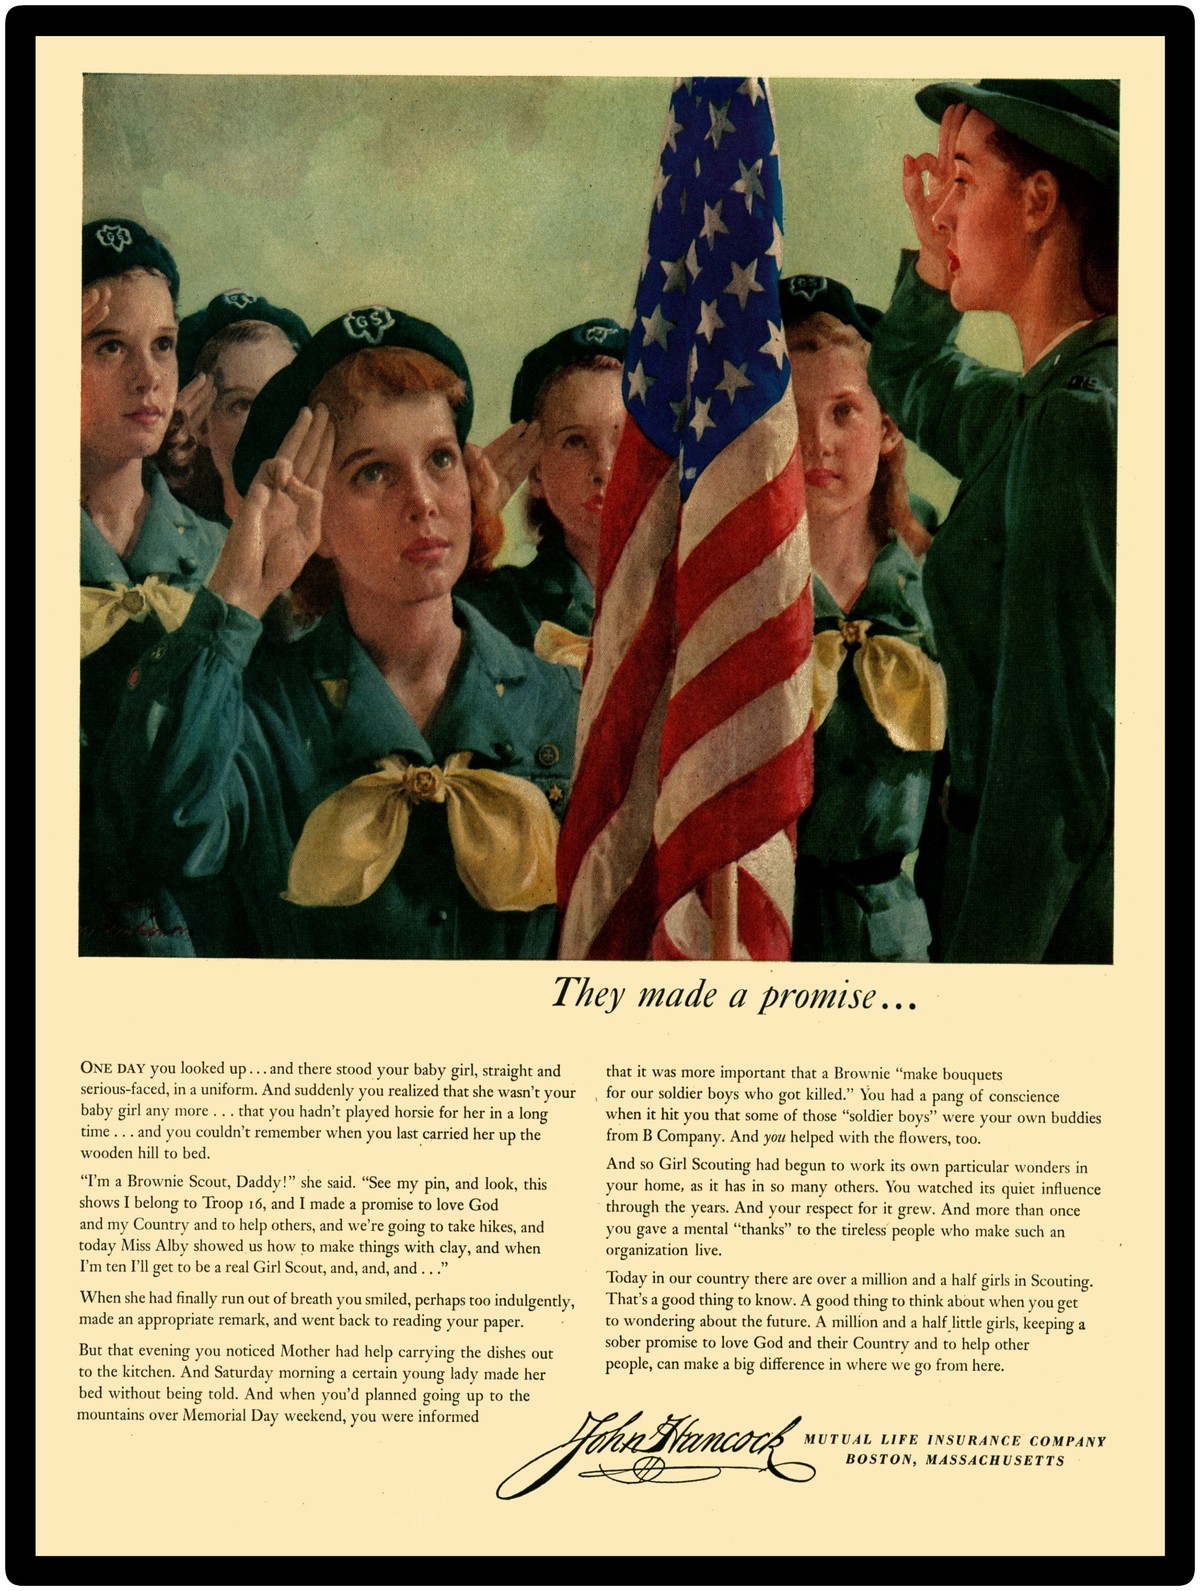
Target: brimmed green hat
{"type": "Point", "coordinates": [570, 347]}
{"type": "Point", "coordinates": [114, 245]}
{"type": "Point", "coordinates": [374, 326]}
{"type": "Point", "coordinates": [802, 296]}
{"type": "Point", "coordinates": [1073, 119]}
{"type": "Point", "coordinates": [234, 305]}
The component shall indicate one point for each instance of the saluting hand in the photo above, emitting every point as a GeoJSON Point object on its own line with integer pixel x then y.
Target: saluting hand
{"type": "Point", "coordinates": [278, 526]}
{"type": "Point", "coordinates": [494, 472]}
{"type": "Point", "coordinates": [923, 203]}
{"type": "Point", "coordinates": [195, 401]}
{"type": "Point", "coordinates": [96, 302]}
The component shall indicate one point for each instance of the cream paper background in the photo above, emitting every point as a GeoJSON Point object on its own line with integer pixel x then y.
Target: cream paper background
{"type": "Point", "coordinates": [1092, 1034]}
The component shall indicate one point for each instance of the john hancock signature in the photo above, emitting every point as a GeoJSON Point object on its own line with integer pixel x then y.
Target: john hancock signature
{"type": "Point", "coordinates": [677, 1434]}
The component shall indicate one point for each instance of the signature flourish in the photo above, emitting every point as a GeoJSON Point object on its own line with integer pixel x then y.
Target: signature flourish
{"type": "Point", "coordinates": [677, 1434]}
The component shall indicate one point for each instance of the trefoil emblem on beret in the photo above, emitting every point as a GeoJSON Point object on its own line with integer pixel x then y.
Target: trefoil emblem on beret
{"type": "Point", "coordinates": [114, 237]}
{"type": "Point", "coordinates": [806, 286]}
{"type": "Point", "coordinates": [369, 324]}
{"type": "Point", "coordinates": [238, 300]}
{"type": "Point", "coordinates": [597, 334]}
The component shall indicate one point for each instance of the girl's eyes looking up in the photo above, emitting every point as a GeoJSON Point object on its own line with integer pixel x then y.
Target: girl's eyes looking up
{"type": "Point", "coordinates": [379, 473]}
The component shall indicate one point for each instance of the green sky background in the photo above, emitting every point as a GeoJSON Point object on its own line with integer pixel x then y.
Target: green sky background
{"type": "Point", "coordinates": [503, 209]}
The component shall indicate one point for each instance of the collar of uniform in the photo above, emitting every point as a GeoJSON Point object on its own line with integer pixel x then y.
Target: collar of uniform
{"type": "Point", "coordinates": [880, 598]}
{"type": "Point", "coordinates": [1063, 358]}
{"type": "Point", "coordinates": [99, 563]}
{"type": "Point", "coordinates": [165, 545]}
{"type": "Point", "coordinates": [475, 714]}
{"type": "Point", "coordinates": [559, 573]}
{"type": "Point", "coordinates": [472, 717]}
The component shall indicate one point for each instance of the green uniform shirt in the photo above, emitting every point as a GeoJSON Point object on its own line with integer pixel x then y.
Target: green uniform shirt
{"type": "Point", "coordinates": [869, 796]}
{"type": "Point", "coordinates": [216, 762]}
{"type": "Point", "coordinates": [553, 586]}
{"type": "Point", "coordinates": [119, 914]}
{"type": "Point", "coordinates": [1021, 586]}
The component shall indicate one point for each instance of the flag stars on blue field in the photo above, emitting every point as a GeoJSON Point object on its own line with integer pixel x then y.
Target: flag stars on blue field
{"type": "Point", "coordinates": [710, 321]}
{"type": "Point", "coordinates": [658, 327]}
{"type": "Point", "coordinates": [718, 129]}
{"type": "Point", "coordinates": [743, 281]}
{"type": "Point", "coordinates": [713, 223]}
{"type": "Point", "coordinates": [676, 274]}
{"type": "Point", "coordinates": [748, 183]}
{"type": "Point", "coordinates": [700, 421]}
{"type": "Point", "coordinates": [776, 345]}
{"type": "Point", "coordinates": [720, 124]}
{"type": "Point", "coordinates": [734, 379]}
{"type": "Point", "coordinates": [639, 382]}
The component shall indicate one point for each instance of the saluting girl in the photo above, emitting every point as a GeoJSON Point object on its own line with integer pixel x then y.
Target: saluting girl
{"type": "Point", "coordinates": [389, 784]}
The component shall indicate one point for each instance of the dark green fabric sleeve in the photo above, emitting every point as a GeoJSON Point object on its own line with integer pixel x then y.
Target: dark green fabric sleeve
{"type": "Point", "coordinates": [945, 401]}
{"type": "Point", "coordinates": [1046, 809]}
{"type": "Point", "coordinates": [172, 779]}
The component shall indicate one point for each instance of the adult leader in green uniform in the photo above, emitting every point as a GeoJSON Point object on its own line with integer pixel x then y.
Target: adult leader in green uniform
{"type": "Point", "coordinates": [570, 389]}
{"type": "Point", "coordinates": [142, 552]}
{"type": "Point", "coordinates": [1020, 217]}
{"type": "Point", "coordinates": [388, 784]}
{"type": "Point", "coordinates": [878, 693]}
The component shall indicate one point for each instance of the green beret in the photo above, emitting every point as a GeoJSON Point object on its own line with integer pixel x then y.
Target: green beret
{"type": "Point", "coordinates": [195, 330]}
{"type": "Point", "coordinates": [114, 245]}
{"type": "Point", "coordinates": [570, 347]}
{"type": "Point", "coordinates": [374, 326]}
{"type": "Point", "coordinates": [1076, 120]}
{"type": "Point", "coordinates": [802, 296]}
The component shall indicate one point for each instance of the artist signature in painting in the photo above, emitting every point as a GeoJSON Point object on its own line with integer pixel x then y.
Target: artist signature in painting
{"type": "Point", "coordinates": [655, 1455]}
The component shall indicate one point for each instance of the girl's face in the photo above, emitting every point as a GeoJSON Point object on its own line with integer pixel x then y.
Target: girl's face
{"type": "Point", "coordinates": [982, 219]}
{"type": "Point", "coordinates": [239, 375]}
{"type": "Point", "coordinates": [396, 519]}
{"type": "Point", "coordinates": [130, 375]}
{"type": "Point", "coordinates": [582, 415]}
{"type": "Point", "coordinates": [843, 432]}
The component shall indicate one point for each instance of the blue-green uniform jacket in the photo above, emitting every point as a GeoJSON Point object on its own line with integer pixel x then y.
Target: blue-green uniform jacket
{"type": "Point", "coordinates": [853, 901]}
{"type": "Point", "coordinates": [1021, 586]}
{"type": "Point", "coordinates": [233, 748]}
{"type": "Point", "coordinates": [119, 914]}
{"type": "Point", "coordinates": [553, 586]}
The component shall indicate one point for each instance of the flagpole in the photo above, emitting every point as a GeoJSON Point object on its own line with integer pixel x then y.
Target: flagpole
{"type": "Point", "coordinates": [724, 913]}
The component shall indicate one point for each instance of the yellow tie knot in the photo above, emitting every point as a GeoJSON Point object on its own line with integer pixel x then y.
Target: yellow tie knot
{"type": "Point", "coordinates": [424, 784]}
{"type": "Point", "coordinates": [103, 610]}
{"type": "Point", "coordinates": [854, 631]}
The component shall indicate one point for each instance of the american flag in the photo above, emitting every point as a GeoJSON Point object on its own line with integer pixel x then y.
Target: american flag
{"type": "Point", "coordinates": [695, 730]}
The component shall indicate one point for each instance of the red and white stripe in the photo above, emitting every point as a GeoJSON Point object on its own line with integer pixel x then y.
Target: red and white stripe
{"type": "Point", "coordinates": [695, 737]}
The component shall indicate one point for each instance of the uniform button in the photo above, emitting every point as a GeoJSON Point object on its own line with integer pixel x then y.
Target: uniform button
{"type": "Point", "coordinates": [188, 565]}
{"type": "Point", "coordinates": [507, 749]}
{"type": "Point", "coordinates": [159, 652]}
{"type": "Point", "coordinates": [547, 755]}
{"type": "Point", "coordinates": [438, 916]}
